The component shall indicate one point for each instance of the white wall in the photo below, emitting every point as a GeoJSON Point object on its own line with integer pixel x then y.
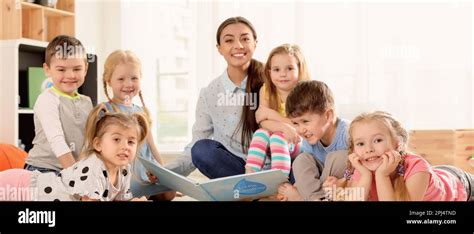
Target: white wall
{"type": "Point", "coordinates": [411, 59]}
{"type": "Point", "coordinates": [98, 27]}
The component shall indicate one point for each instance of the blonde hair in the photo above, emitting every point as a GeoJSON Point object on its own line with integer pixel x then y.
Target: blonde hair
{"type": "Point", "coordinates": [121, 57]}
{"type": "Point", "coordinates": [398, 134]}
{"type": "Point", "coordinates": [100, 118]}
{"type": "Point", "coordinates": [303, 74]}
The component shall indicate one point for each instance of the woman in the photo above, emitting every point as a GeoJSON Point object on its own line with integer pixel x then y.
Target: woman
{"type": "Point", "coordinates": [230, 124]}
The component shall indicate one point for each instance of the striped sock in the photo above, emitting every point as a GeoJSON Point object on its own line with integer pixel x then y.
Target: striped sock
{"type": "Point", "coordinates": [257, 150]}
{"type": "Point", "coordinates": [280, 155]}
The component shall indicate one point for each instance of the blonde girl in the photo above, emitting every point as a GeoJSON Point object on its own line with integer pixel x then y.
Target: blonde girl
{"type": "Point", "coordinates": [122, 73]}
{"type": "Point", "coordinates": [379, 164]}
{"type": "Point", "coordinates": [285, 67]}
{"type": "Point", "coordinates": [103, 172]}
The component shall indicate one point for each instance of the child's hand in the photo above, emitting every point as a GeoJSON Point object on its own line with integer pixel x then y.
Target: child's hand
{"type": "Point", "coordinates": [355, 161]}
{"type": "Point", "coordinates": [260, 115]}
{"type": "Point", "coordinates": [330, 181]}
{"type": "Point", "coordinates": [153, 179]}
{"type": "Point", "coordinates": [281, 197]}
{"type": "Point", "coordinates": [290, 134]}
{"type": "Point", "coordinates": [391, 159]}
{"type": "Point", "coordinates": [143, 198]}
{"type": "Point", "coordinates": [288, 192]}
{"type": "Point", "coordinates": [86, 198]}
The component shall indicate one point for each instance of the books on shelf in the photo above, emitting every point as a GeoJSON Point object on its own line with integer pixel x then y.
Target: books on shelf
{"type": "Point", "coordinates": [37, 82]}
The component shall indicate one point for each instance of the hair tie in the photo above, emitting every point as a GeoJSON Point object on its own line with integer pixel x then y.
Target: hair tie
{"type": "Point", "coordinates": [348, 174]}
{"type": "Point", "coordinates": [291, 51]}
{"type": "Point", "coordinates": [401, 167]}
{"type": "Point", "coordinates": [101, 114]}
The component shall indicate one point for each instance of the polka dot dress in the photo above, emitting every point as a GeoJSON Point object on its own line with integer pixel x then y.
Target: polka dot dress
{"type": "Point", "coordinates": [87, 177]}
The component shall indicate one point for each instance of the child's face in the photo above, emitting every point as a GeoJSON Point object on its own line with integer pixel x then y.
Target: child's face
{"type": "Point", "coordinates": [371, 140]}
{"type": "Point", "coordinates": [237, 44]}
{"type": "Point", "coordinates": [118, 145]}
{"type": "Point", "coordinates": [284, 71]}
{"type": "Point", "coordinates": [311, 126]}
{"type": "Point", "coordinates": [67, 74]}
{"type": "Point", "coordinates": [125, 81]}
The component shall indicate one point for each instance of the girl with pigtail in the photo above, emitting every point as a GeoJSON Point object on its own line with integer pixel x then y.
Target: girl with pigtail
{"type": "Point", "coordinates": [379, 164]}
{"type": "Point", "coordinates": [285, 67]}
{"type": "Point", "coordinates": [122, 73]}
{"type": "Point", "coordinates": [380, 168]}
{"type": "Point", "coordinates": [103, 171]}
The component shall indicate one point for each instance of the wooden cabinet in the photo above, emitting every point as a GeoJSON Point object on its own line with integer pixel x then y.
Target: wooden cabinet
{"type": "Point", "coordinates": [21, 19]}
{"type": "Point", "coordinates": [25, 29]}
{"type": "Point", "coordinates": [451, 147]}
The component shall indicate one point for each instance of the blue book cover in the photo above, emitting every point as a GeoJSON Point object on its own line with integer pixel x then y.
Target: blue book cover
{"type": "Point", "coordinates": [232, 188]}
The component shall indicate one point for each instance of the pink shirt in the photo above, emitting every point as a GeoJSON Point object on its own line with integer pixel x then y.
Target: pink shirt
{"type": "Point", "coordinates": [443, 186]}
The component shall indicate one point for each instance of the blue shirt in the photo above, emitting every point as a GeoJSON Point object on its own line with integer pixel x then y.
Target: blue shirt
{"type": "Point", "coordinates": [339, 142]}
{"type": "Point", "coordinates": [218, 113]}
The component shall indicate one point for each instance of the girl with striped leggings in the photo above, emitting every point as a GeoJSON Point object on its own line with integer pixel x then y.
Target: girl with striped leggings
{"type": "Point", "coordinates": [285, 67]}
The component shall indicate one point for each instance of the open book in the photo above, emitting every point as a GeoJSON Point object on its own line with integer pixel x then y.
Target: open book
{"type": "Point", "coordinates": [232, 188]}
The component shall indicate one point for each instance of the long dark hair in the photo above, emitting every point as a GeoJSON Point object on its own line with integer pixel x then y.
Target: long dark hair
{"type": "Point", "coordinates": [255, 79]}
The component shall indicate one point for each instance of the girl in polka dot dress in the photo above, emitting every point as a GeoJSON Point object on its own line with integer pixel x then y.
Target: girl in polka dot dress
{"type": "Point", "coordinates": [103, 173]}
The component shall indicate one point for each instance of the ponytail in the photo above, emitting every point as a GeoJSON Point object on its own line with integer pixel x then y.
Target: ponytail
{"type": "Point", "coordinates": [247, 123]}
{"type": "Point", "coordinates": [91, 128]}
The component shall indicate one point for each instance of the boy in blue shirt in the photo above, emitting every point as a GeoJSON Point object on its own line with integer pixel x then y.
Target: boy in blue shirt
{"type": "Point", "coordinates": [310, 107]}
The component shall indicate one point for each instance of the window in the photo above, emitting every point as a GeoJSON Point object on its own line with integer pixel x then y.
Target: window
{"type": "Point", "coordinates": [161, 33]}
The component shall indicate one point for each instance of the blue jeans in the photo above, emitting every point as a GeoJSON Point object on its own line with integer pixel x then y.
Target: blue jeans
{"type": "Point", "coordinates": [214, 160]}
{"type": "Point", "coordinates": [40, 169]}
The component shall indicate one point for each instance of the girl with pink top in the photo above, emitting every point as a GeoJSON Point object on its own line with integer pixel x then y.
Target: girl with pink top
{"type": "Point", "coordinates": [379, 165]}
{"type": "Point", "coordinates": [379, 169]}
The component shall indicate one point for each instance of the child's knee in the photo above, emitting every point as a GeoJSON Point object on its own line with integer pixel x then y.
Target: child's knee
{"type": "Point", "coordinates": [303, 160]}
{"type": "Point", "coordinates": [338, 158]}
{"type": "Point", "coordinates": [278, 137]}
{"type": "Point", "coordinates": [262, 134]}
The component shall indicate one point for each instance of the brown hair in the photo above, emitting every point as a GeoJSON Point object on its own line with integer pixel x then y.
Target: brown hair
{"type": "Point", "coordinates": [100, 118]}
{"type": "Point", "coordinates": [121, 57]}
{"type": "Point", "coordinates": [64, 46]}
{"type": "Point", "coordinates": [255, 74]}
{"type": "Point", "coordinates": [398, 134]}
{"type": "Point", "coordinates": [303, 74]}
{"type": "Point", "coordinates": [309, 96]}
